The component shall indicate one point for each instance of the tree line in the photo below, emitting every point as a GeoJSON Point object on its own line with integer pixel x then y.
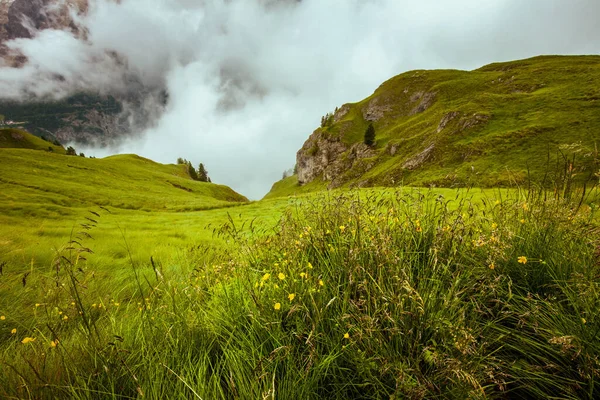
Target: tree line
{"type": "Point", "coordinates": [201, 174]}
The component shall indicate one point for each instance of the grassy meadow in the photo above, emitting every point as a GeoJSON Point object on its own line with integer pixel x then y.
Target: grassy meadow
{"type": "Point", "coordinates": [123, 279]}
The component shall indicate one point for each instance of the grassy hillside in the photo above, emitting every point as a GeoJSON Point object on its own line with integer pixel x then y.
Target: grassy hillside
{"type": "Point", "coordinates": [123, 181]}
{"type": "Point", "coordinates": [488, 127]}
{"type": "Point", "coordinates": [122, 278]}
{"type": "Point", "coordinates": [20, 139]}
{"type": "Point", "coordinates": [45, 196]}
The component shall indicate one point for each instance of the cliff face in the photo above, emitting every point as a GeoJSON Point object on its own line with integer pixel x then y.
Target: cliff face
{"type": "Point", "coordinates": [83, 117]}
{"type": "Point", "coordinates": [19, 17]}
{"type": "Point", "coordinates": [490, 127]}
{"type": "Point", "coordinates": [329, 158]}
{"type": "Point", "coordinates": [335, 152]}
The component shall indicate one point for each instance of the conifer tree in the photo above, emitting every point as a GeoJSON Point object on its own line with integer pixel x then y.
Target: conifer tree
{"type": "Point", "coordinates": [203, 173]}
{"type": "Point", "coordinates": [370, 136]}
{"type": "Point", "coordinates": [192, 171]}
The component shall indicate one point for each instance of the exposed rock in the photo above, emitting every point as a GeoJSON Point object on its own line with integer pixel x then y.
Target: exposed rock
{"type": "Point", "coordinates": [41, 14]}
{"type": "Point", "coordinates": [426, 100]}
{"type": "Point", "coordinates": [329, 158]}
{"type": "Point", "coordinates": [375, 110]}
{"type": "Point", "coordinates": [449, 117]}
{"type": "Point", "coordinates": [18, 18]}
{"type": "Point", "coordinates": [393, 148]}
{"type": "Point", "coordinates": [473, 121]}
{"type": "Point", "coordinates": [316, 154]}
{"type": "Point", "coordinates": [341, 113]}
{"type": "Point", "coordinates": [418, 160]}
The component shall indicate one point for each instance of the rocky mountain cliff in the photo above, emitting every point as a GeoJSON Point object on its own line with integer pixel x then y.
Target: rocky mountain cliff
{"type": "Point", "coordinates": [19, 17]}
{"type": "Point", "coordinates": [83, 117]}
{"type": "Point", "coordinates": [494, 126]}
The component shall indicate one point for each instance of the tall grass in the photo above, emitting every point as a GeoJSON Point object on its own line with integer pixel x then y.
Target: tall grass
{"type": "Point", "coordinates": [399, 294]}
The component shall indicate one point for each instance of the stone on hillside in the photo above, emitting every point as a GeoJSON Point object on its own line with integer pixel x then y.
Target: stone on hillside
{"type": "Point", "coordinates": [418, 160]}
{"type": "Point", "coordinates": [449, 117]}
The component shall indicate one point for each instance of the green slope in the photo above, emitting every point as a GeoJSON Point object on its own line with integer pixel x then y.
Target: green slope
{"type": "Point", "coordinates": [488, 127]}
{"type": "Point", "coordinates": [36, 182]}
{"type": "Point", "coordinates": [20, 139]}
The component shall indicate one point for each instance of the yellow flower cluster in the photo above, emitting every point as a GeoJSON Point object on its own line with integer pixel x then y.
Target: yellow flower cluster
{"type": "Point", "coordinates": [418, 227]}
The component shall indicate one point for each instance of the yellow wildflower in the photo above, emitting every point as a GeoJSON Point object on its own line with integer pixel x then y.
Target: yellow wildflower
{"type": "Point", "coordinates": [28, 340]}
{"type": "Point", "coordinates": [522, 221]}
{"type": "Point", "coordinates": [492, 266]}
{"type": "Point", "coordinates": [342, 228]}
{"type": "Point", "coordinates": [494, 225]}
{"type": "Point", "coordinates": [291, 296]}
{"type": "Point", "coordinates": [522, 260]}
{"type": "Point", "coordinates": [13, 331]}
{"type": "Point", "coordinates": [2, 317]}
{"type": "Point", "coordinates": [525, 206]}
{"type": "Point", "coordinates": [281, 276]}
{"type": "Point", "coordinates": [53, 343]}
{"type": "Point", "coordinates": [277, 306]}
{"type": "Point", "coordinates": [302, 274]}
{"type": "Point", "coordinates": [583, 320]}
{"type": "Point", "coordinates": [266, 277]}
{"type": "Point", "coordinates": [346, 335]}
{"type": "Point", "coordinates": [310, 266]}
{"type": "Point", "coordinates": [321, 282]}
{"type": "Point", "coordinates": [65, 318]}
{"type": "Point", "coordinates": [37, 304]}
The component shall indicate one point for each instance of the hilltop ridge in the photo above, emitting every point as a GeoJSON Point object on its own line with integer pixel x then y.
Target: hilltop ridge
{"type": "Point", "coordinates": [51, 183]}
{"type": "Point", "coordinates": [494, 126]}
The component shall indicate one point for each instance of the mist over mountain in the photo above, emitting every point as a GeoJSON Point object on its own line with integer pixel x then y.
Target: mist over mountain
{"type": "Point", "coordinates": [239, 85]}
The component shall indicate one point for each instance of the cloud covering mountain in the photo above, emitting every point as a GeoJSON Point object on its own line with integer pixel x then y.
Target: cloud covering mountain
{"type": "Point", "coordinates": [248, 80]}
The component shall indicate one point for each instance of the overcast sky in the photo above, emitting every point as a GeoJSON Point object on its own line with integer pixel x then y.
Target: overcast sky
{"type": "Point", "coordinates": [249, 80]}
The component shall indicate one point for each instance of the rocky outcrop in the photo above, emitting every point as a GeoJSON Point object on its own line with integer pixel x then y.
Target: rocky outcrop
{"type": "Point", "coordinates": [317, 155]}
{"type": "Point", "coordinates": [20, 18]}
{"type": "Point", "coordinates": [84, 117]}
{"type": "Point", "coordinates": [418, 160]}
{"type": "Point", "coordinates": [472, 121]}
{"type": "Point", "coordinates": [376, 109]}
{"type": "Point", "coordinates": [329, 158]}
{"type": "Point", "coordinates": [341, 113]}
{"type": "Point", "coordinates": [425, 99]}
{"type": "Point", "coordinates": [24, 15]}
{"type": "Point", "coordinates": [449, 117]}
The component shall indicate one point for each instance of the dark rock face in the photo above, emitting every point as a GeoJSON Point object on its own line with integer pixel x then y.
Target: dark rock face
{"type": "Point", "coordinates": [24, 14]}
{"type": "Point", "coordinates": [19, 19]}
{"type": "Point", "coordinates": [83, 117]}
